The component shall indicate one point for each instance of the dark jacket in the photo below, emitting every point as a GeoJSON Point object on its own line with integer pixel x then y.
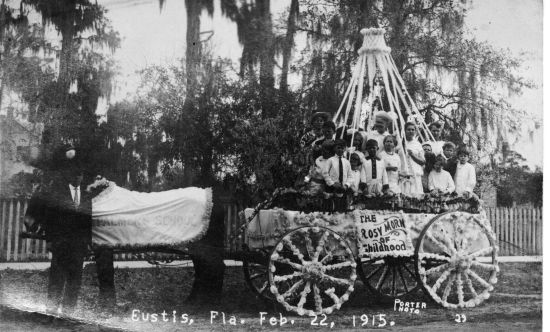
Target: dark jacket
{"type": "Point", "coordinates": [450, 166]}
{"type": "Point", "coordinates": [65, 221]}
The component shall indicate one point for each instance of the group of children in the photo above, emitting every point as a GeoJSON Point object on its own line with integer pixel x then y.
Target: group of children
{"type": "Point", "coordinates": [374, 164]}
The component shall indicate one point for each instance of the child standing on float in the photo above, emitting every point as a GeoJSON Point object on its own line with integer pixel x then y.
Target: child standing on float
{"type": "Point", "coordinates": [465, 175]}
{"type": "Point", "coordinates": [319, 172]}
{"type": "Point", "coordinates": [329, 128]}
{"type": "Point", "coordinates": [393, 163]}
{"type": "Point", "coordinates": [339, 169]}
{"type": "Point", "coordinates": [414, 160]}
{"type": "Point", "coordinates": [439, 180]}
{"type": "Point", "coordinates": [376, 177]}
{"type": "Point", "coordinates": [357, 175]}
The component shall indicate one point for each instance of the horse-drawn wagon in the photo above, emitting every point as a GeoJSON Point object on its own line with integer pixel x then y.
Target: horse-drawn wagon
{"type": "Point", "coordinates": [306, 254]}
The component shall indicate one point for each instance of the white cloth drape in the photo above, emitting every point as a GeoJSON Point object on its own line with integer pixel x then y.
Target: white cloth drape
{"type": "Point", "coordinates": [123, 218]}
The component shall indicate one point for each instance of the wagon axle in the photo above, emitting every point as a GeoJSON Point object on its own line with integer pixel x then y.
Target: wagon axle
{"type": "Point", "coordinates": [313, 271]}
{"type": "Point", "coordinates": [460, 263]}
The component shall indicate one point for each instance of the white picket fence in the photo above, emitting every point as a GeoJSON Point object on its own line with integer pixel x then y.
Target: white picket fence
{"type": "Point", "coordinates": [519, 232]}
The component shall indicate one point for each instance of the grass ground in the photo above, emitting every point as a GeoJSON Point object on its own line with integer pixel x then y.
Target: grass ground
{"type": "Point", "coordinates": [516, 303]}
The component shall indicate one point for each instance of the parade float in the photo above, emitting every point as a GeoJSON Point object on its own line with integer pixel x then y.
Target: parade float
{"type": "Point", "coordinates": [305, 254]}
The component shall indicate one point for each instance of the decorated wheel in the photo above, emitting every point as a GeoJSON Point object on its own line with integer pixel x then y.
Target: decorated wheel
{"type": "Point", "coordinates": [312, 271]}
{"type": "Point", "coordinates": [456, 259]}
{"type": "Point", "coordinates": [389, 277]}
{"type": "Point", "coordinates": [255, 264]}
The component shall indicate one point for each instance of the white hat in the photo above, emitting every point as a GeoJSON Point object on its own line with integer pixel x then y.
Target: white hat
{"type": "Point", "coordinates": [384, 116]}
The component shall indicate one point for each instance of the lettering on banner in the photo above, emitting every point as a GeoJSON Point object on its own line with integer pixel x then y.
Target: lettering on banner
{"type": "Point", "coordinates": [381, 234]}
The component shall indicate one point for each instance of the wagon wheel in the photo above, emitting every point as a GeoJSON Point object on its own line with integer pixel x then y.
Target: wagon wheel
{"type": "Point", "coordinates": [312, 271]}
{"type": "Point", "coordinates": [255, 273]}
{"type": "Point", "coordinates": [456, 259]}
{"type": "Point", "coordinates": [389, 277]}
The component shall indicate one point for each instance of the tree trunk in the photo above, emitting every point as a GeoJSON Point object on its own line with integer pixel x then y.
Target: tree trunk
{"type": "Point", "coordinates": [65, 66]}
{"type": "Point", "coordinates": [289, 43]}
{"type": "Point", "coordinates": [2, 30]}
{"type": "Point", "coordinates": [267, 58]}
{"type": "Point", "coordinates": [192, 63]}
{"type": "Point", "coordinates": [65, 60]}
{"type": "Point", "coordinates": [193, 47]}
{"type": "Point", "coordinates": [267, 61]}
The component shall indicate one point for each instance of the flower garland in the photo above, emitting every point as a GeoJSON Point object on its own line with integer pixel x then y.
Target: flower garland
{"type": "Point", "coordinates": [100, 188]}
{"type": "Point", "coordinates": [307, 201]}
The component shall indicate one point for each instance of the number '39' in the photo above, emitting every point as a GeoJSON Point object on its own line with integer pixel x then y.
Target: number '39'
{"type": "Point", "coordinates": [460, 318]}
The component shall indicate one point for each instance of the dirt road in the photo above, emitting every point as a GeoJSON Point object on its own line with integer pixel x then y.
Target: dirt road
{"type": "Point", "coordinates": [516, 304]}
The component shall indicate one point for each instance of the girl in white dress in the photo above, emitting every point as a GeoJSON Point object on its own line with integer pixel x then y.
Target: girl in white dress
{"type": "Point", "coordinates": [412, 160]}
{"type": "Point", "coordinates": [358, 176]}
{"type": "Point", "coordinates": [393, 163]}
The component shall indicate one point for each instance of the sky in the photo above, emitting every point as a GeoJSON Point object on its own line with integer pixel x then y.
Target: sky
{"type": "Point", "coordinates": [151, 36]}
{"type": "Point", "coordinates": [517, 26]}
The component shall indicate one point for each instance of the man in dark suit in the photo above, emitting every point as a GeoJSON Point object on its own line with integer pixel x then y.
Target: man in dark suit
{"type": "Point", "coordinates": [68, 230]}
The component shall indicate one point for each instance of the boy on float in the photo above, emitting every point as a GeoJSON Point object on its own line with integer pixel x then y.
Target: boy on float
{"type": "Point", "coordinates": [427, 147]}
{"type": "Point", "coordinates": [376, 177]}
{"type": "Point", "coordinates": [449, 149]}
{"type": "Point", "coordinates": [339, 169]}
{"type": "Point", "coordinates": [339, 174]}
{"type": "Point", "coordinates": [329, 128]}
{"type": "Point", "coordinates": [465, 175]}
{"type": "Point", "coordinates": [318, 175]}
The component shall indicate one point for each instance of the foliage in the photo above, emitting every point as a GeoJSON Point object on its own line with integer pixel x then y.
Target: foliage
{"type": "Point", "coordinates": [451, 76]}
{"type": "Point", "coordinates": [19, 185]}
{"type": "Point", "coordinates": [86, 18]}
{"type": "Point", "coordinates": [229, 126]}
{"type": "Point", "coordinates": [245, 132]}
{"type": "Point", "coordinates": [517, 184]}
{"type": "Point", "coordinates": [84, 28]}
{"type": "Point", "coordinates": [224, 135]}
{"type": "Point", "coordinates": [25, 59]}
{"type": "Point", "coordinates": [267, 150]}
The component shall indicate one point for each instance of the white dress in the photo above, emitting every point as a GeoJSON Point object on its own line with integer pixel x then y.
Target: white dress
{"type": "Point", "coordinates": [357, 177]}
{"type": "Point", "coordinates": [441, 181]}
{"type": "Point", "coordinates": [413, 186]}
{"type": "Point", "coordinates": [392, 160]}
